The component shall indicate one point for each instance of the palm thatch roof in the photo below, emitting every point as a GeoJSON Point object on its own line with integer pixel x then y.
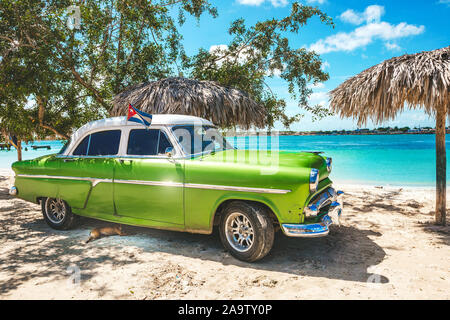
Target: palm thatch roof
{"type": "Point", "coordinates": [380, 92]}
{"type": "Point", "coordinates": [223, 106]}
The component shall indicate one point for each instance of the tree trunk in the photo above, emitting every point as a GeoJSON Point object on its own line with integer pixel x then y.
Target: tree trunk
{"type": "Point", "coordinates": [441, 163]}
{"type": "Point", "coordinates": [41, 110]}
{"type": "Point", "coordinates": [19, 150]}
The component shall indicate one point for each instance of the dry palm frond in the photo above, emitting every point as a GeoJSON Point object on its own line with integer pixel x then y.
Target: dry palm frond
{"type": "Point", "coordinates": [223, 106]}
{"type": "Point", "coordinates": [419, 80]}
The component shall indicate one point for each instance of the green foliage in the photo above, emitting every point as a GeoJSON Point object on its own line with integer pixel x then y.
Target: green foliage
{"type": "Point", "coordinates": [60, 77]}
{"type": "Point", "coordinates": [261, 51]}
{"type": "Point", "coordinates": [54, 78]}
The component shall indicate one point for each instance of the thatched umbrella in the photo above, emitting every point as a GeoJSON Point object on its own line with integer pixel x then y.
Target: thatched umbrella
{"type": "Point", "coordinates": [379, 93]}
{"type": "Point", "coordinates": [223, 106]}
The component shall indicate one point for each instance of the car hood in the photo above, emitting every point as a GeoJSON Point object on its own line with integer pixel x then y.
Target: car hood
{"type": "Point", "coordinates": [270, 158]}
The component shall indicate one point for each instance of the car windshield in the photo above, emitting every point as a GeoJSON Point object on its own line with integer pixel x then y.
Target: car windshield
{"type": "Point", "coordinates": [198, 139]}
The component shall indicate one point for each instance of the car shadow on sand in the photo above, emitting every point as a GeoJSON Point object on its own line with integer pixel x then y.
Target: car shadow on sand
{"type": "Point", "coordinates": [345, 254]}
{"type": "Point", "coordinates": [31, 250]}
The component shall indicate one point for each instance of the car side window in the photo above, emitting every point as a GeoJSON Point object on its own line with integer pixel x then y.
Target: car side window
{"type": "Point", "coordinates": [103, 143]}
{"type": "Point", "coordinates": [81, 149]}
{"type": "Point", "coordinates": [149, 142]}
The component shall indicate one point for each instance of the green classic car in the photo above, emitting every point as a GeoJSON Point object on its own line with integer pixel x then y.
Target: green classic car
{"type": "Point", "coordinates": [181, 174]}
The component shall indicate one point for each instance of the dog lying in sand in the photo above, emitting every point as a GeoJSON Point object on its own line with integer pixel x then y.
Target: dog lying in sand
{"type": "Point", "coordinates": [98, 233]}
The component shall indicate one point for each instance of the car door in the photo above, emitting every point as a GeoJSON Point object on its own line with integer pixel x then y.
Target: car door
{"type": "Point", "coordinates": [147, 183]}
{"type": "Point", "coordinates": [90, 169]}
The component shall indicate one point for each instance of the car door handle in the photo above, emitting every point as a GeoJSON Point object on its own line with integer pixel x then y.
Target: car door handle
{"type": "Point", "coordinates": [69, 160]}
{"type": "Point", "coordinates": [123, 161]}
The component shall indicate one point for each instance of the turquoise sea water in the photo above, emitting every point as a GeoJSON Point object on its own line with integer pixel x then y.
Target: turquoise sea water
{"type": "Point", "coordinates": [8, 157]}
{"type": "Point", "coordinates": [407, 159]}
{"type": "Point", "coordinates": [370, 159]}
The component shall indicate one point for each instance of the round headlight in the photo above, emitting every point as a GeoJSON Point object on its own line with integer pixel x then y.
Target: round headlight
{"type": "Point", "coordinates": [329, 161]}
{"type": "Point", "coordinates": [313, 180]}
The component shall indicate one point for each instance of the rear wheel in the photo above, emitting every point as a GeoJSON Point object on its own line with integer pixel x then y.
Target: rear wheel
{"type": "Point", "coordinates": [57, 213]}
{"type": "Point", "coordinates": [246, 231]}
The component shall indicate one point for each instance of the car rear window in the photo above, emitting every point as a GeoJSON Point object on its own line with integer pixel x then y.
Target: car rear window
{"type": "Point", "coordinates": [64, 148]}
{"type": "Point", "coordinates": [149, 142]}
{"type": "Point", "coordinates": [103, 143]}
{"type": "Point", "coordinates": [81, 149]}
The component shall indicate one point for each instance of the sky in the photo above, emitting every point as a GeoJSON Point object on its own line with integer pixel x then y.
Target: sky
{"type": "Point", "coordinates": [365, 34]}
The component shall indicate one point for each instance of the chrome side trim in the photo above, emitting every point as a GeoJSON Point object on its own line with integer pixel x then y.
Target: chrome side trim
{"type": "Point", "coordinates": [96, 181]}
{"type": "Point", "coordinates": [150, 183]}
{"type": "Point", "coordinates": [232, 188]}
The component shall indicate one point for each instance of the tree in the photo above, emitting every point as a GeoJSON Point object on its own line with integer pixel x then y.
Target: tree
{"type": "Point", "coordinates": [57, 78]}
{"type": "Point", "coordinates": [118, 42]}
{"type": "Point", "coordinates": [63, 77]}
{"type": "Point", "coordinates": [261, 51]}
{"type": "Point", "coordinates": [15, 124]}
{"type": "Point", "coordinates": [405, 129]}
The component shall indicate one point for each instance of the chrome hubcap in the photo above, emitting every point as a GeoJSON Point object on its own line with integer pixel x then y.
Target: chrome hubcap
{"type": "Point", "coordinates": [239, 232]}
{"type": "Point", "coordinates": [55, 210]}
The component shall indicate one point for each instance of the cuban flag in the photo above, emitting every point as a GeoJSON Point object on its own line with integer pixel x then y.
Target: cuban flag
{"type": "Point", "coordinates": [138, 116]}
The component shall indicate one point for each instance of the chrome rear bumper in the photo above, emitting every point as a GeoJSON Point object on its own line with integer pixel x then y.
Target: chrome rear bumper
{"type": "Point", "coordinates": [319, 229]}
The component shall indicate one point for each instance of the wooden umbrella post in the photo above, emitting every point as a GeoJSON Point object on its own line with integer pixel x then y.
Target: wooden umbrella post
{"type": "Point", "coordinates": [441, 164]}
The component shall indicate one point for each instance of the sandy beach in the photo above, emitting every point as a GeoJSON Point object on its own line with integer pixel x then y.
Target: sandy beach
{"type": "Point", "coordinates": [386, 248]}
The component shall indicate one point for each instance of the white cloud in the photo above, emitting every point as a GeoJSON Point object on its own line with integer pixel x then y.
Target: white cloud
{"type": "Point", "coordinates": [325, 65]}
{"type": "Point", "coordinates": [373, 29]}
{"type": "Point", "coordinates": [319, 96]}
{"type": "Point", "coordinates": [250, 2]}
{"type": "Point", "coordinates": [351, 17]}
{"type": "Point", "coordinates": [392, 46]}
{"type": "Point", "coordinates": [279, 3]}
{"type": "Point", "coordinates": [275, 3]}
{"type": "Point", "coordinates": [371, 14]}
{"type": "Point", "coordinates": [315, 1]}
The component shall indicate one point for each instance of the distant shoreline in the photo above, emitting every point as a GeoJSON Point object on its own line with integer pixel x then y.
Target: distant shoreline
{"type": "Point", "coordinates": [284, 133]}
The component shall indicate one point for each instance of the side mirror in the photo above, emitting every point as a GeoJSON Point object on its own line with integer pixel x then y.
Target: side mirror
{"type": "Point", "coordinates": [169, 152]}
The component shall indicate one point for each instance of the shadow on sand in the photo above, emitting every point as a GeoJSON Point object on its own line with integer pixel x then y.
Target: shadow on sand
{"type": "Point", "coordinates": [35, 251]}
{"type": "Point", "coordinates": [442, 233]}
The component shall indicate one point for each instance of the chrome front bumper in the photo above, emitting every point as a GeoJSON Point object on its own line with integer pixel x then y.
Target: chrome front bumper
{"type": "Point", "coordinates": [329, 197]}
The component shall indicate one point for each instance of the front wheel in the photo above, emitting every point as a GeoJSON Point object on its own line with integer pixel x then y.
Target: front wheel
{"type": "Point", "coordinates": [57, 213]}
{"type": "Point", "coordinates": [246, 231]}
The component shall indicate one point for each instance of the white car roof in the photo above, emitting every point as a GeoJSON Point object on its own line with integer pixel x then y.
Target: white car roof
{"type": "Point", "coordinates": [157, 119]}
